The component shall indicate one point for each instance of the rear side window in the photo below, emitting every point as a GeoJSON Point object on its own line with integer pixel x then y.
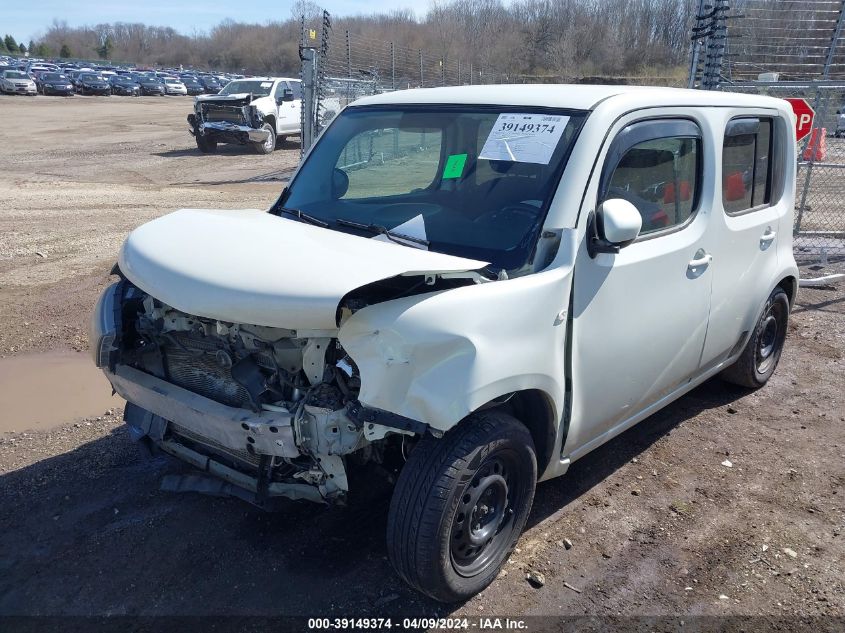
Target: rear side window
{"type": "Point", "coordinates": [657, 171]}
{"type": "Point", "coordinates": [746, 165]}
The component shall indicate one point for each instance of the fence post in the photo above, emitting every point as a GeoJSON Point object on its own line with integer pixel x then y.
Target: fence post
{"type": "Point", "coordinates": [392, 66]}
{"type": "Point", "coordinates": [308, 74]}
{"type": "Point", "coordinates": [696, 40]}
{"type": "Point", "coordinates": [715, 43]}
{"type": "Point", "coordinates": [348, 56]}
{"type": "Point", "coordinates": [421, 70]}
{"type": "Point", "coordinates": [820, 108]}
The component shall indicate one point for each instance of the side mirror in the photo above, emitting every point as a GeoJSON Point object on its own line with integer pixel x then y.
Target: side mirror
{"type": "Point", "coordinates": [340, 183]}
{"type": "Point", "coordinates": [287, 95]}
{"type": "Point", "coordinates": [613, 226]}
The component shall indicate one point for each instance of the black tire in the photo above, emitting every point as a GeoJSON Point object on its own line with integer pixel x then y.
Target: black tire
{"type": "Point", "coordinates": [761, 354]}
{"type": "Point", "coordinates": [488, 459]}
{"type": "Point", "coordinates": [269, 145]}
{"type": "Point", "coordinates": [206, 145]}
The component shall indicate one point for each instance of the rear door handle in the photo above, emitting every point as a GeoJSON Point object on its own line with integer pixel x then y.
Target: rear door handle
{"type": "Point", "coordinates": [702, 258]}
{"type": "Point", "coordinates": [768, 236]}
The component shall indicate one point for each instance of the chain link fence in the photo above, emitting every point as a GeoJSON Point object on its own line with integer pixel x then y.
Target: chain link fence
{"type": "Point", "coordinates": [787, 49]}
{"type": "Point", "coordinates": [343, 66]}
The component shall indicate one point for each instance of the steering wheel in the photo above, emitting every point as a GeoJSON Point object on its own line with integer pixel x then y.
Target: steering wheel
{"type": "Point", "coordinates": [516, 208]}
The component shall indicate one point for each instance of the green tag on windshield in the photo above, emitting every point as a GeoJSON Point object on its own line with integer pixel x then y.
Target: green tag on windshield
{"type": "Point", "coordinates": [454, 166]}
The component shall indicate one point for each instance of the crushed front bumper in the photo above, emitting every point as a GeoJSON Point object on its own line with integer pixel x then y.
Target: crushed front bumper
{"type": "Point", "coordinates": [251, 134]}
{"type": "Point", "coordinates": [239, 430]}
{"type": "Point", "coordinates": [195, 429]}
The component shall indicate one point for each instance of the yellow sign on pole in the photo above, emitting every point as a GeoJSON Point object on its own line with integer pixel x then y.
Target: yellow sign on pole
{"type": "Point", "coordinates": [312, 33]}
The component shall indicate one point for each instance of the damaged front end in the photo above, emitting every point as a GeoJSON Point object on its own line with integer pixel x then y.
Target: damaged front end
{"type": "Point", "coordinates": [263, 412]}
{"type": "Point", "coordinates": [228, 120]}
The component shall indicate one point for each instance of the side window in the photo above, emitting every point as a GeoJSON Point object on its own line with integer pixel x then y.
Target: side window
{"type": "Point", "coordinates": [296, 87]}
{"type": "Point", "coordinates": [390, 162]}
{"type": "Point", "coordinates": [280, 89]}
{"type": "Point", "coordinates": [747, 165]}
{"type": "Point", "coordinates": [659, 176]}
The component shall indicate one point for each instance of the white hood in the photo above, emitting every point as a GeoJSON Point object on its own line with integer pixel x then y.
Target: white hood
{"type": "Point", "coordinates": [252, 267]}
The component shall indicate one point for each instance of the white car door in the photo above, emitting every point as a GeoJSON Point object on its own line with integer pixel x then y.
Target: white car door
{"type": "Point", "coordinates": [289, 119]}
{"type": "Point", "coordinates": [640, 315]}
{"type": "Point", "coordinates": [750, 213]}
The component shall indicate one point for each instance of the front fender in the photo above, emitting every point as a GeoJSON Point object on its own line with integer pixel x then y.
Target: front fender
{"type": "Point", "coordinates": [440, 356]}
{"type": "Point", "coordinates": [265, 105]}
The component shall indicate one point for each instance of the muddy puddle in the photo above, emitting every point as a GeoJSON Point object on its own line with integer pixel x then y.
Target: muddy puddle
{"type": "Point", "coordinates": [41, 391]}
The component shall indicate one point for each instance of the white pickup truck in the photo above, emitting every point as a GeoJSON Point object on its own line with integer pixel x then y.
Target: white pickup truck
{"type": "Point", "coordinates": [260, 111]}
{"type": "Point", "coordinates": [465, 289]}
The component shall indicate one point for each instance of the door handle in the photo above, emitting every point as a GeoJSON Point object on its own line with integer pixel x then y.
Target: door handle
{"type": "Point", "coordinates": [768, 236]}
{"type": "Point", "coordinates": [702, 258]}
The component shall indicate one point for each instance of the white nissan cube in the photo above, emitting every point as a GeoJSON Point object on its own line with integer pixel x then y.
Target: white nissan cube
{"type": "Point", "coordinates": [466, 290]}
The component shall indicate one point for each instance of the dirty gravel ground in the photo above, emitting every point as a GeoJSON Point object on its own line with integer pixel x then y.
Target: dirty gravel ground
{"type": "Point", "coordinates": [657, 524]}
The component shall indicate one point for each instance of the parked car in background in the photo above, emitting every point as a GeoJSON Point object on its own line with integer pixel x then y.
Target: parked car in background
{"type": "Point", "coordinates": [211, 85]}
{"type": "Point", "coordinates": [17, 82]}
{"type": "Point", "coordinates": [92, 84]}
{"type": "Point", "coordinates": [150, 86]}
{"type": "Point", "coordinates": [193, 86]}
{"type": "Point", "coordinates": [840, 123]}
{"type": "Point", "coordinates": [173, 86]}
{"type": "Point", "coordinates": [124, 85]}
{"type": "Point", "coordinates": [257, 111]}
{"type": "Point", "coordinates": [54, 83]}
{"type": "Point", "coordinates": [40, 67]}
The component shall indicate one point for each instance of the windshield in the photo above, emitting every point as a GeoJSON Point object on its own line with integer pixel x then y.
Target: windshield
{"type": "Point", "coordinates": [13, 74]}
{"type": "Point", "coordinates": [474, 181]}
{"type": "Point", "coordinates": [53, 77]}
{"type": "Point", "coordinates": [90, 77]}
{"type": "Point", "coordinates": [256, 87]}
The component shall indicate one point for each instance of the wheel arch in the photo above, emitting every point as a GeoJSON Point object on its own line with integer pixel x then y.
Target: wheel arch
{"type": "Point", "coordinates": [535, 409]}
{"type": "Point", "coordinates": [271, 119]}
{"type": "Point", "coordinates": [789, 284]}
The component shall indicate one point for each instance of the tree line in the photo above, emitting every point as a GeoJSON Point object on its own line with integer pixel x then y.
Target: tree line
{"type": "Point", "coordinates": [535, 37]}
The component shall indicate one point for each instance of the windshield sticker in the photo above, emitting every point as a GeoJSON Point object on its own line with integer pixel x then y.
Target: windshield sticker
{"type": "Point", "coordinates": [454, 166]}
{"type": "Point", "coordinates": [415, 227]}
{"type": "Point", "coordinates": [266, 84]}
{"type": "Point", "coordinates": [524, 138]}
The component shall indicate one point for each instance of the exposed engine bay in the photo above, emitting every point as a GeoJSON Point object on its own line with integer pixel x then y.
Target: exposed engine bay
{"type": "Point", "coordinates": [230, 120]}
{"type": "Point", "coordinates": [233, 110]}
{"type": "Point", "coordinates": [289, 413]}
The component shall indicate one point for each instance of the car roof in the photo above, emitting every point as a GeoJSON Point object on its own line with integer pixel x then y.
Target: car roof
{"type": "Point", "coordinates": [266, 79]}
{"type": "Point", "coordinates": [570, 96]}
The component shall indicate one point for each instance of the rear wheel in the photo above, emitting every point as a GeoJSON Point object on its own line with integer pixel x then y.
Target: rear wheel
{"type": "Point", "coordinates": [460, 504]}
{"type": "Point", "coordinates": [206, 145]}
{"type": "Point", "coordinates": [760, 357]}
{"type": "Point", "coordinates": [269, 145]}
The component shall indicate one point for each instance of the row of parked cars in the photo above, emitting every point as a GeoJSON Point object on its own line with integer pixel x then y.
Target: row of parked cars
{"type": "Point", "coordinates": [34, 77]}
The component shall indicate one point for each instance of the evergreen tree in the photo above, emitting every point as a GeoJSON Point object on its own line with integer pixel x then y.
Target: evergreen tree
{"type": "Point", "coordinates": [11, 44]}
{"type": "Point", "coordinates": [106, 49]}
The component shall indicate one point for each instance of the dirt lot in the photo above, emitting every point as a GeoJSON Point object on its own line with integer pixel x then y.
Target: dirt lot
{"type": "Point", "coordinates": [658, 523]}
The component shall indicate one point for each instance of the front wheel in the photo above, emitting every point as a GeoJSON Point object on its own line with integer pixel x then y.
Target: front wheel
{"type": "Point", "coordinates": [205, 145]}
{"type": "Point", "coordinates": [269, 145]}
{"type": "Point", "coordinates": [460, 504]}
{"type": "Point", "coordinates": [758, 360]}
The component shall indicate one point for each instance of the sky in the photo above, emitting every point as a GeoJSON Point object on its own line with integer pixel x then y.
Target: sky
{"type": "Point", "coordinates": [25, 21]}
